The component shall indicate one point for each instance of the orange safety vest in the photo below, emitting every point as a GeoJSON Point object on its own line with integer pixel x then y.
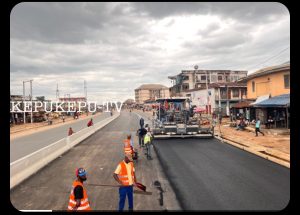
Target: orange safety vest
{"type": "Point", "coordinates": [123, 175]}
{"type": "Point", "coordinates": [127, 147]}
{"type": "Point", "coordinates": [84, 202]}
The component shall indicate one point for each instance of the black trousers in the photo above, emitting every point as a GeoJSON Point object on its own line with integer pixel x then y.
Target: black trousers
{"type": "Point", "coordinates": [257, 130]}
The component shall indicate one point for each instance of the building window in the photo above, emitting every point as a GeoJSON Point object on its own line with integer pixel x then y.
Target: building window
{"type": "Point", "coordinates": [185, 87]}
{"type": "Point", "coordinates": [253, 86]}
{"type": "Point", "coordinates": [235, 93]}
{"type": "Point", "coordinates": [185, 78]}
{"type": "Point", "coordinates": [223, 93]}
{"type": "Point", "coordinates": [220, 78]}
{"type": "Point", "coordinates": [203, 78]}
{"type": "Point", "coordinates": [286, 81]}
{"type": "Point", "coordinates": [213, 78]}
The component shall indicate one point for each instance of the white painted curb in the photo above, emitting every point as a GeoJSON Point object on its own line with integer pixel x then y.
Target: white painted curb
{"type": "Point", "coordinates": [24, 167]}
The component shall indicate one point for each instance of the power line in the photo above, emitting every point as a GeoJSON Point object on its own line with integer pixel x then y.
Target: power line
{"type": "Point", "coordinates": [269, 58]}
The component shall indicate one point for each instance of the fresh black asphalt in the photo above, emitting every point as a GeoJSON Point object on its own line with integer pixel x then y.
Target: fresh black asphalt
{"type": "Point", "coordinates": [209, 175]}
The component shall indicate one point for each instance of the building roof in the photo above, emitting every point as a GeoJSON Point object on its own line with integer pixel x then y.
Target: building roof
{"type": "Point", "coordinates": [129, 101]}
{"type": "Point", "coordinates": [242, 104]}
{"type": "Point", "coordinates": [151, 87]}
{"type": "Point", "coordinates": [276, 101]}
{"type": "Point", "coordinates": [261, 98]}
{"type": "Point", "coordinates": [149, 101]}
{"type": "Point", "coordinates": [172, 99]}
{"type": "Point", "coordinates": [267, 70]}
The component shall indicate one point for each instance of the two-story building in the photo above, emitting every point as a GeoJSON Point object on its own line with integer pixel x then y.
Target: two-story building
{"type": "Point", "coordinates": [270, 88]}
{"type": "Point", "coordinates": [217, 96]}
{"type": "Point", "coordinates": [195, 79]}
{"type": "Point", "coordinates": [150, 92]}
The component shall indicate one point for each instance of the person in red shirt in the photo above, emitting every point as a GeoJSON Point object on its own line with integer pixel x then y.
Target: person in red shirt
{"type": "Point", "coordinates": [70, 131]}
{"type": "Point", "coordinates": [90, 123]}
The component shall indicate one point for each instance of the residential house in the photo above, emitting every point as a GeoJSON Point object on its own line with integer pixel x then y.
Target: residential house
{"type": "Point", "coordinates": [217, 97]}
{"type": "Point", "coordinates": [195, 79]}
{"type": "Point", "coordinates": [270, 88]}
{"type": "Point", "coordinates": [150, 91]}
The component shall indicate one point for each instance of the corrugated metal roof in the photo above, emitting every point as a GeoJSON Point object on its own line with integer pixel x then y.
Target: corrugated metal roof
{"type": "Point", "coordinates": [242, 104]}
{"type": "Point", "coordinates": [260, 99]}
{"type": "Point", "coordinates": [276, 101]}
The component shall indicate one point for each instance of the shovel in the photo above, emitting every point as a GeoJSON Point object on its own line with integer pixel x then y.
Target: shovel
{"type": "Point", "coordinates": [138, 185]}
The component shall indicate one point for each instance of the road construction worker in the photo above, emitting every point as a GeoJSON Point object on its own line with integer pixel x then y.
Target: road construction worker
{"type": "Point", "coordinates": [148, 142]}
{"type": "Point", "coordinates": [141, 134]}
{"type": "Point", "coordinates": [78, 200]}
{"type": "Point", "coordinates": [128, 147]}
{"type": "Point", "coordinates": [125, 176]}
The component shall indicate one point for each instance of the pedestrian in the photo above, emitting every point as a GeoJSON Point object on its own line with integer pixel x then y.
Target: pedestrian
{"type": "Point", "coordinates": [141, 122]}
{"type": "Point", "coordinates": [257, 127]}
{"type": "Point", "coordinates": [111, 113]}
{"type": "Point", "coordinates": [148, 142]}
{"type": "Point", "coordinates": [270, 122]}
{"type": "Point", "coordinates": [90, 123]}
{"type": "Point", "coordinates": [214, 121]}
{"type": "Point", "coordinates": [125, 176]}
{"type": "Point", "coordinates": [220, 118]}
{"type": "Point", "coordinates": [70, 131]}
{"type": "Point", "coordinates": [241, 125]}
{"type": "Point", "coordinates": [78, 200]}
{"type": "Point", "coordinates": [141, 134]}
{"type": "Point", "coordinates": [63, 118]}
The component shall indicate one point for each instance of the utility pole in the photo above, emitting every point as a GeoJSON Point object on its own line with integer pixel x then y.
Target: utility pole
{"type": "Point", "coordinates": [57, 92]}
{"type": "Point", "coordinates": [24, 117]}
{"type": "Point", "coordinates": [227, 102]}
{"type": "Point", "coordinates": [13, 117]}
{"type": "Point", "coordinates": [24, 99]}
{"type": "Point", "coordinates": [31, 100]}
{"type": "Point", "coordinates": [85, 90]}
{"type": "Point", "coordinates": [207, 96]}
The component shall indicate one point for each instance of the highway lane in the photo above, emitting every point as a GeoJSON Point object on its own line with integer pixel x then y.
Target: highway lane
{"type": "Point", "coordinates": [205, 173]}
{"type": "Point", "coordinates": [209, 175]}
{"type": "Point", "coordinates": [25, 145]}
{"type": "Point", "coordinates": [99, 154]}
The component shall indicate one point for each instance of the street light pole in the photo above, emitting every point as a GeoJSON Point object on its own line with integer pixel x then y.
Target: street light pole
{"type": "Point", "coordinates": [31, 100]}
{"type": "Point", "coordinates": [24, 120]}
{"type": "Point", "coordinates": [207, 95]}
{"type": "Point", "coordinates": [227, 101]}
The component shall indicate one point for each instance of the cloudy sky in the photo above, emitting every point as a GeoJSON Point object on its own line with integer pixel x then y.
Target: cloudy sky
{"type": "Point", "coordinates": [116, 47]}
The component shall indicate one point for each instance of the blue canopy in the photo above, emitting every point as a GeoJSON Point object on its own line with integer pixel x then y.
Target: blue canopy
{"type": "Point", "coordinates": [276, 101]}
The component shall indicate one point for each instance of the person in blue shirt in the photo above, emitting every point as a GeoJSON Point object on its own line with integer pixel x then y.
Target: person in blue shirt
{"type": "Point", "coordinates": [257, 127]}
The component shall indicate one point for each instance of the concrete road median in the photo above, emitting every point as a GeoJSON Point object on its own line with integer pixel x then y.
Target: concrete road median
{"type": "Point", "coordinates": [23, 168]}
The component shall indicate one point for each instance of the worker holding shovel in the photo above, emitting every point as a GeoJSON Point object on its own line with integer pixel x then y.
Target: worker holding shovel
{"type": "Point", "coordinates": [125, 176]}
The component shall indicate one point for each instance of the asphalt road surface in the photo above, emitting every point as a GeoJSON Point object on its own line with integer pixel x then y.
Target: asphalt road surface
{"type": "Point", "coordinates": [25, 145]}
{"type": "Point", "coordinates": [205, 173]}
{"type": "Point", "coordinates": [99, 154]}
{"type": "Point", "coordinates": [209, 175]}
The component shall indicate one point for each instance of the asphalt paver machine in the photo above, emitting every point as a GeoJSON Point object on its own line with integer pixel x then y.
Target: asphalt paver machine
{"type": "Point", "coordinates": [175, 118]}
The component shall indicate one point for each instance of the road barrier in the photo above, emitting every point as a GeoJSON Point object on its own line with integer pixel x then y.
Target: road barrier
{"type": "Point", "coordinates": [23, 168]}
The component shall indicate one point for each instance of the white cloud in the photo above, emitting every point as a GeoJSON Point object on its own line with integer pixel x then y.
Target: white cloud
{"type": "Point", "coordinates": [116, 47]}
